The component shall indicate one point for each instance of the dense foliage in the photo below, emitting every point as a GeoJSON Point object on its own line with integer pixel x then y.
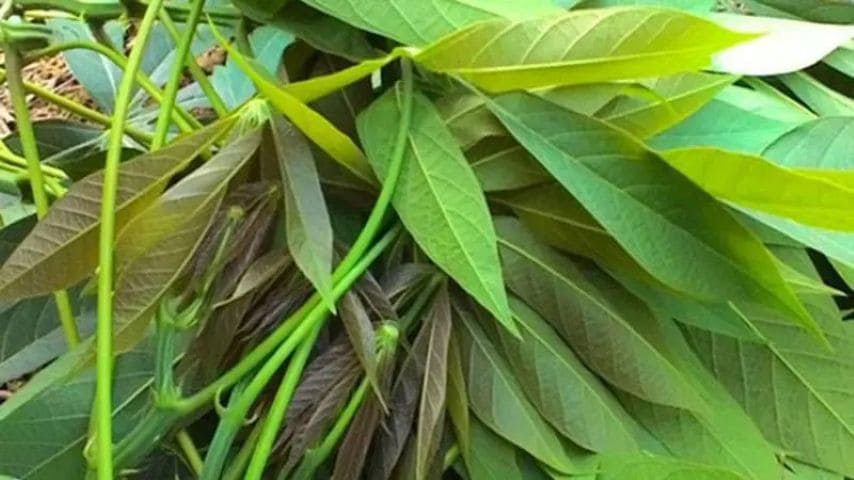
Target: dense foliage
{"type": "Point", "coordinates": [481, 239]}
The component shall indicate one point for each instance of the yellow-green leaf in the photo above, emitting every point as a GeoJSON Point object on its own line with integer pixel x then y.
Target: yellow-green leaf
{"type": "Point", "coordinates": [585, 46]}
{"type": "Point", "coordinates": [758, 184]}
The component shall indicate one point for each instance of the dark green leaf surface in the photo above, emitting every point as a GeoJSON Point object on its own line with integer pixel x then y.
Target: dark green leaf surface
{"type": "Point", "coordinates": [668, 225]}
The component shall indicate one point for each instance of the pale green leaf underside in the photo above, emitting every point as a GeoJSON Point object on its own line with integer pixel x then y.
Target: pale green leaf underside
{"type": "Point", "coordinates": [668, 225]}
{"type": "Point", "coordinates": [586, 46]}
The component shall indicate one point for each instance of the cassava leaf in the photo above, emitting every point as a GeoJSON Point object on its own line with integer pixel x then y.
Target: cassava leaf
{"type": "Point", "coordinates": [820, 98]}
{"type": "Point", "coordinates": [596, 331]}
{"type": "Point", "coordinates": [490, 456]}
{"type": "Point", "coordinates": [160, 242]}
{"type": "Point", "coordinates": [416, 23]}
{"type": "Point", "coordinates": [806, 392]}
{"type": "Point", "coordinates": [758, 184]}
{"type": "Point", "coordinates": [63, 247]}
{"type": "Point", "coordinates": [307, 225]}
{"type": "Point", "coordinates": [438, 199]}
{"type": "Point", "coordinates": [829, 11]}
{"type": "Point", "coordinates": [323, 32]}
{"type": "Point", "coordinates": [502, 164]}
{"type": "Point", "coordinates": [629, 189]}
{"type": "Point", "coordinates": [431, 412]}
{"type": "Point", "coordinates": [565, 393]}
{"type": "Point", "coordinates": [498, 400]}
{"type": "Point", "coordinates": [586, 46]}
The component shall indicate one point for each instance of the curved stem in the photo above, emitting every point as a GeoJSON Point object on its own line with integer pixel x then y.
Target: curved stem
{"type": "Point", "coordinates": [270, 427]}
{"type": "Point", "coordinates": [31, 154]}
{"type": "Point", "coordinates": [104, 330]}
{"type": "Point", "coordinates": [185, 441]}
{"type": "Point", "coordinates": [184, 120]}
{"type": "Point", "coordinates": [196, 71]}
{"type": "Point", "coordinates": [17, 161]}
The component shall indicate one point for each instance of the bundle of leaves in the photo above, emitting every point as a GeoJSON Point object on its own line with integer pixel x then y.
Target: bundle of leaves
{"type": "Point", "coordinates": [415, 239]}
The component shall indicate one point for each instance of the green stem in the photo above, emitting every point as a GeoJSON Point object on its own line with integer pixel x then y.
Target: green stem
{"type": "Point", "coordinates": [236, 413]}
{"type": "Point", "coordinates": [185, 441]}
{"type": "Point", "coordinates": [104, 330]}
{"type": "Point", "coordinates": [184, 120]}
{"type": "Point", "coordinates": [10, 157]}
{"type": "Point", "coordinates": [161, 130]}
{"type": "Point", "coordinates": [238, 464]}
{"type": "Point", "coordinates": [81, 110]}
{"type": "Point", "coordinates": [316, 456]}
{"type": "Point", "coordinates": [31, 154]}
{"type": "Point", "coordinates": [196, 71]}
{"type": "Point", "coordinates": [273, 421]}
{"type": "Point", "coordinates": [344, 269]}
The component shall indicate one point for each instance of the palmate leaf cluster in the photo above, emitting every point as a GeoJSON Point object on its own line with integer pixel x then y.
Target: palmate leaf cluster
{"type": "Point", "coordinates": [620, 245]}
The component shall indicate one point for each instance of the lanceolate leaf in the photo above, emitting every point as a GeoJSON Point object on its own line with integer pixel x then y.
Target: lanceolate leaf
{"type": "Point", "coordinates": [307, 225]}
{"type": "Point", "coordinates": [438, 198]}
{"type": "Point", "coordinates": [586, 46]}
{"type": "Point", "coordinates": [805, 400]}
{"type": "Point", "coordinates": [63, 248]}
{"type": "Point", "coordinates": [431, 412]}
{"type": "Point", "coordinates": [498, 400]}
{"type": "Point", "coordinates": [568, 395]}
{"type": "Point", "coordinates": [360, 331]}
{"type": "Point", "coordinates": [163, 238]}
{"type": "Point", "coordinates": [821, 99]}
{"type": "Point", "coordinates": [630, 190]}
{"type": "Point", "coordinates": [758, 184]}
{"type": "Point", "coordinates": [490, 456]}
{"type": "Point", "coordinates": [598, 333]}
{"type": "Point", "coordinates": [414, 22]}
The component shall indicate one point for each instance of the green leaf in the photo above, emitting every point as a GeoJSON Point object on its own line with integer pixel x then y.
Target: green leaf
{"type": "Point", "coordinates": [723, 435]}
{"type": "Point", "coordinates": [317, 128]}
{"type": "Point", "coordinates": [498, 400]}
{"type": "Point", "coordinates": [232, 85]}
{"type": "Point", "coordinates": [697, 6]}
{"type": "Point", "coordinates": [431, 411]}
{"type": "Point", "coordinates": [468, 119]}
{"type": "Point", "coordinates": [629, 189]}
{"type": "Point", "coordinates": [737, 119]}
{"type": "Point", "coordinates": [438, 198]}
{"type": "Point", "coordinates": [646, 467]}
{"type": "Point", "coordinates": [597, 332]}
{"type": "Point", "coordinates": [360, 332]}
{"type": "Point", "coordinates": [799, 394]}
{"type": "Point", "coordinates": [759, 184]}
{"type": "Point", "coordinates": [414, 22]}
{"type": "Point", "coordinates": [820, 98]}
{"type": "Point", "coordinates": [842, 59]}
{"type": "Point", "coordinates": [822, 144]}
{"type": "Point", "coordinates": [502, 164]}
{"type": "Point", "coordinates": [490, 456]}
{"type": "Point", "coordinates": [63, 247]}
{"type": "Point", "coordinates": [829, 11]}
{"type": "Point", "coordinates": [586, 46]}
{"type": "Point", "coordinates": [53, 410]}
{"type": "Point", "coordinates": [802, 471]}
{"type": "Point", "coordinates": [565, 393]}
{"type": "Point", "coordinates": [323, 32]}
{"type": "Point", "coordinates": [54, 137]}
{"type": "Point", "coordinates": [781, 46]}
{"type": "Point", "coordinates": [678, 96]}
{"type": "Point", "coordinates": [160, 242]}
{"type": "Point", "coordinates": [307, 224]}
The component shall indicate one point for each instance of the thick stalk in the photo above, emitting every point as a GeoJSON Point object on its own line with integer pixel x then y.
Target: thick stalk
{"type": "Point", "coordinates": [31, 154]}
{"type": "Point", "coordinates": [104, 329]}
{"type": "Point", "coordinates": [161, 130]}
{"type": "Point", "coordinates": [195, 70]}
{"type": "Point", "coordinates": [273, 421]}
{"type": "Point", "coordinates": [238, 464]}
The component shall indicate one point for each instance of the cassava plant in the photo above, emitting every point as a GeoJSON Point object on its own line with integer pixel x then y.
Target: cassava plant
{"type": "Point", "coordinates": [422, 239]}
